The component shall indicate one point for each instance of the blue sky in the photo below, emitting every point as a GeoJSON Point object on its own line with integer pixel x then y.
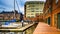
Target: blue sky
{"type": "Point", "coordinates": [8, 5]}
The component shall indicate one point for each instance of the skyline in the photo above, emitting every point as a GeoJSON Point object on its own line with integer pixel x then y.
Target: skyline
{"type": "Point", "coordinates": [8, 5]}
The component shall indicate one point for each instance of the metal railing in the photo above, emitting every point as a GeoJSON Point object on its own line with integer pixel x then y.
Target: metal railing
{"type": "Point", "coordinates": [28, 29]}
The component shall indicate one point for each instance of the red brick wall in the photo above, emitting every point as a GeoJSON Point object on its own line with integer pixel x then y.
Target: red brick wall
{"type": "Point", "coordinates": [55, 10]}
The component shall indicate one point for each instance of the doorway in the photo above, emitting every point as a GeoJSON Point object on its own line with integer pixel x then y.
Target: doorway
{"type": "Point", "coordinates": [58, 20]}
{"type": "Point", "coordinates": [48, 20]}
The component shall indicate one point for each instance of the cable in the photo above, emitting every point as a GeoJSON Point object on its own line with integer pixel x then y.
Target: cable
{"type": "Point", "coordinates": [18, 6]}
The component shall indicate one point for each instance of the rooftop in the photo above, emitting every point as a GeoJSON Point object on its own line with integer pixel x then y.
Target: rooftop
{"type": "Point", "coordinates": [34, 2]}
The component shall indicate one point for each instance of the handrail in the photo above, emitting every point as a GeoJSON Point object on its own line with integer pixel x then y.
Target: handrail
{"type": "Point", "coordinates": [19, 29]}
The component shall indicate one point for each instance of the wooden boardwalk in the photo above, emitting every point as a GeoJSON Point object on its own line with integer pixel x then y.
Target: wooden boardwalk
{"type": "Point", "coordinates": [43, 28]}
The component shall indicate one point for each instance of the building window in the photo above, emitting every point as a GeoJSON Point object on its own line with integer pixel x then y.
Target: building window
{"type": "Point", "coordinates": [37, 14]}
{"type": "Point", "coordinates": [50, 9]}
{"type": "Point", "coordinates": [32, 11]}
{"type": "Point", "coordinates": [55, 19]}
{"type": "Point", "coordinates": [37, 8]}
{"type": "Point", "coordinates": [28, 16]}
{"type": "Point", "coordinates": [27, 5]}
{"type": "Point", "coordinates": [37, 11]}
{"type": "Point", "coordinates": [28, 8]}
{"type": "Point", "coordinates": [32, 8]}
{"type": "Point", "coordinates": [40, 11]}
{"type": "Point", "coordinates": [32, 16]}
{"type": "Point", "coordinates": [56, 1]}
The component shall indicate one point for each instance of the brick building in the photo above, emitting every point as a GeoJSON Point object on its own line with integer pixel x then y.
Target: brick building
{"type": "Point", "coordinates": [52, 13]}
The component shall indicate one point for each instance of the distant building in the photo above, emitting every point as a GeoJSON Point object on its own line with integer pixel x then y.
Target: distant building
{"type": "Point", "coordinates": [9, 15]}
{"type": "Point", "coordinates": [33, 9]}
{"type": "Point", "coordinates": [6, 15]}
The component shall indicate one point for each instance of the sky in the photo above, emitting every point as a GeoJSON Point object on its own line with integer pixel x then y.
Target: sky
{"type": "Point", "coordinates": [8, 5]}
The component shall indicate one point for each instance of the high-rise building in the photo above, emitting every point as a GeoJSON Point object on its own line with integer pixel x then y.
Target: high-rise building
{"type": "Point", "coordinates": [33, 8]}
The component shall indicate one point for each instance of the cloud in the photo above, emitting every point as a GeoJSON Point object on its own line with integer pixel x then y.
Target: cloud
{"type": "Point", "coordinates": [9, 4]}
{"type": "Point", "coordinates": [20, 5]}
{"type": "Point", "coordinates": [23, 1]}
{"type": "Point", "coordinates": [21, 9]}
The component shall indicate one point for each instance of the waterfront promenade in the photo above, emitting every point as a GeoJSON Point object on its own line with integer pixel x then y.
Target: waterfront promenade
{"type": "Point", "coordinates": [43, 28]}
